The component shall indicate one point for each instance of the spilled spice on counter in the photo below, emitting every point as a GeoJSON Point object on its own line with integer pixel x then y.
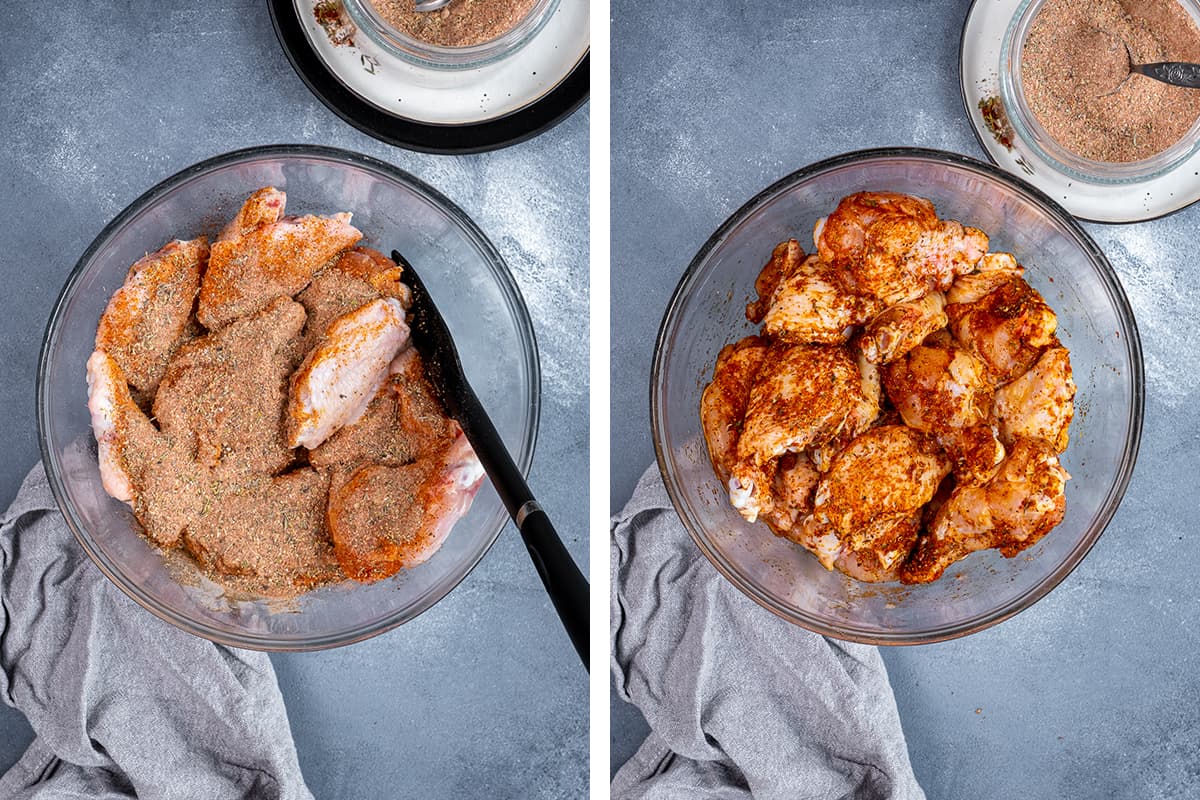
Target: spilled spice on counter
{"type": "Point", "coordinates": [463, 23]}
{"type": "Point", "coordinates": [1075, 74]}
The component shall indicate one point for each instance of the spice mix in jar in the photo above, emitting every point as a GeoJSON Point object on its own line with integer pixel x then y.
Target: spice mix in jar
{"type": "Point", "coordinates": [1075, 75]}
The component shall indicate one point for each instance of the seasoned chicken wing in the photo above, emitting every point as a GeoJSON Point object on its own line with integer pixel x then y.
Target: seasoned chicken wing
{"type": "Point", "coordinates": [885, 474]}
{"type": "Point", "coordinates": [224, 393]}
{"type": "Point", "coordinates": [1007, 328]}
{"type": "Point", "coordinates": [810, 307]}
{"type": "Point", "coordinates": [902, 327]}
{"type": "Point", "coordinates": [939, 389]}
{"type": "Point", "coordinates": [147, 318]}
{"type": "Point", "coordinates": [1040, 403]}
{"type": "Point", "coordinates": [261, 208]}
{"type": "Point", "coordinates": [723, 404]}
{"type": "Point", "coordinates": [893, 246]}
{"type": "Point", "coordinates": [802, 401]}
{"type": "Point", "coordinates": [1019, 505]}
{"type": "Point", "coordinates": [946, 391]}
{"type": "Point", "coordinates": [288, 542]}
{"type": "Point", "coordinates": [785, 258]}
{"type": "Point", "coordinates": [403, 423]}
{"type": "Point", "coordinates": [341, 375]}
{"type": "Point", "coordinates": [384, 518]}
{"type": "Point", "coordinates": [994, 269]}
{"type": "Point", "coordinates": [150, 471]}
{"type": "Point", "coordinates": [272, 260]}
{"type": "Point", "coordinates": [792, 490]}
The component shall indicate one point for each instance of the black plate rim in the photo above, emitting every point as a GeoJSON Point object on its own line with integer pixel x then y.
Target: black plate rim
{"type": "Point", "coordinates": [514, 128]}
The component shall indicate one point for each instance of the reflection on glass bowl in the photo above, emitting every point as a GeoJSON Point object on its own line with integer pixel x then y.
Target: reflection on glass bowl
{"type": "Point", "coordinates": [474, 290]}
{"type": "Point", "coordinates": [706, 312]}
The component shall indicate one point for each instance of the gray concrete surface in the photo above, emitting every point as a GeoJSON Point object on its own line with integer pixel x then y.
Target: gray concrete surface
{"type": "Point", "coordinates": [1091, 693]}
{"type": "Point", "coordinates": [482, 696]}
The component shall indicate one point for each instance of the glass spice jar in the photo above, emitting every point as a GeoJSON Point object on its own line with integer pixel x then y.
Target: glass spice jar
{"type": "Point", "coordinates": [1026, 125]}
{"type": "Point", "coordinates": [399, 43]}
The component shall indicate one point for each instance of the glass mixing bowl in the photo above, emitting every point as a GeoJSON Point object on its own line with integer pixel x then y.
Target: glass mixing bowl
{"type": "Point", "coordinates": [474, 291]}
{"type": "Point", "coordinates": [1095, 322]}
{"type": "Point", "coordinates": [1026, 124]}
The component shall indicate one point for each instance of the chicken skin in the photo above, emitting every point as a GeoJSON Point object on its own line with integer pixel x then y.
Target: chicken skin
{"type": "Point", "coordinates": [893, 246]}
{"type": "Point", "coordinates": [1007, 328]}
{"type": "Point", "coordinates": [994, 269]}
{"type": "Point", "coordinates": [271, 260]}
{"type": "Point", "coordinates": [723, 404]}
{"type": "Point", "coordinates": [341, 375]}
{"type": "Point", "coordinates": [803, 401]}
{"type": "Point", "coordinates": [1040, 403]}
{"type": "Point", "coordinates": [224, 392]}
{"type": "Point", "coordinates": [902, 327]}
{"type": "Point", "coordinates": [385, 518]}
{"type": "Point", "coordinates": [1012, 511]}
{"type": "Point", "coordinates": [810, 307]}
{"type": "Point", "coordinates": [147, 318]}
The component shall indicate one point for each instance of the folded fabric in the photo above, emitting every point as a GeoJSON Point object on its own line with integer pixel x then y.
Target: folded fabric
{"type": "Point", "coordinates": [123, 704]}
{"type": "Point", "coordinates": [740, 702]}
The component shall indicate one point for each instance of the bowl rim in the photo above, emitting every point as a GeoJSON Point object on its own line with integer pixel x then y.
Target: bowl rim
{"type": "Point", "coordinates": [506, 282]}
{"type": "Point", "coordinates": [1115, 493]}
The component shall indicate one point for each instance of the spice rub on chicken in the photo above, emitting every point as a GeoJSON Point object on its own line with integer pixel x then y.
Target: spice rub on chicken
{"type": "Point", "coordinates": [258, 406]}
{"type": "Point", "coordinates": [905, 396]}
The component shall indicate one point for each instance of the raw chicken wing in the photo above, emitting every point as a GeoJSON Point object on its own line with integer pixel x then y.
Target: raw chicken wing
{"type": "Point", "coordinates": [224, 393]}
{"type": "Point", "coordinates": [723, 404]}
{"type": "Point", "coordinates": [946, 391]}
{"type": "Point", "coordinates": [785, 258]}
{"type": "Point", "coordinates": [147, 318]}
{"type": "Point", "coordinates": [261, 208]}
{"type": "Point", "coordinates": [273, 260]}
{"type": "Point", "coordinates": [1007, 328]}
{"type": "Point", "coordinates": [893, 246]}
{"type": "Point", "coordinates": [1039, 404]}
{"type": "Point", "coordinates": [341, 375]}
{"type": "Point", "coordinates": [902, 327]}
{"type": "Point", "coordinates": [138, 465]}
{"type": "Point", "coordinates": [809, 306]}
{"type": "Point", "coordinates": [385, 518]}
{"type": "Point", "coordinates": [802, 400]}
{"type": "Point", "coordinates": [994, 269]}
{"type": "Point", "coordinates": [1019, 505]}
{"type": "Point", "coordinates": [886, 474]}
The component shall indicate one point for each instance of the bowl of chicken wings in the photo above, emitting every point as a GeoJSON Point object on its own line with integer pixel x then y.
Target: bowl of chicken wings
{"type": "Point", "coordinates": [897, 396]}
{"type": "Point", "coordinates": [234, 421]}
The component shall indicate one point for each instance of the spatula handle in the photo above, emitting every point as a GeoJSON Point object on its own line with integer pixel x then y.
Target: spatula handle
{"type": "Point", "coordinates": [565, 584]}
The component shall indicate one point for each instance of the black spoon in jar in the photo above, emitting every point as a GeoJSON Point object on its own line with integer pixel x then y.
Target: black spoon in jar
{"type": "Point", "coordinates": [565, 584]}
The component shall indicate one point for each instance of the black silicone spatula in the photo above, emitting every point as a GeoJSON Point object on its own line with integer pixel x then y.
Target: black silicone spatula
{"type": "Point", "coordinates": [565, 584]}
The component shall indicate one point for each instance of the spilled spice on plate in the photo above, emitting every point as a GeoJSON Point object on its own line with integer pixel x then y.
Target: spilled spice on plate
{"type": "Point", "coordinates": [1076, 78]}
{"type": "Point", "coordinates": [463, 23]}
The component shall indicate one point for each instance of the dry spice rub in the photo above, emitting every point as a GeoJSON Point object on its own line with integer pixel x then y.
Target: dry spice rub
{"type": "Point", "coordinates": [905, 402]}
{"type": "Point", "coordinates": [1076, 79]}
{"type": "Point", "coordinates": [257, 403]}
{"type": "Point", "coordinates": [463, 23]}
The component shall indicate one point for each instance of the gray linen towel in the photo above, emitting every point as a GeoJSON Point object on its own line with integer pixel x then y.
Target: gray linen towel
{"type": "Point", "coordinates": [741, 703]}
{"type": "Point", "coordinates": [123, 704]}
